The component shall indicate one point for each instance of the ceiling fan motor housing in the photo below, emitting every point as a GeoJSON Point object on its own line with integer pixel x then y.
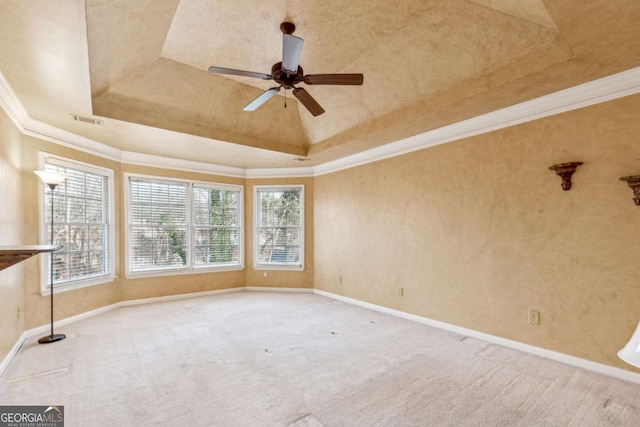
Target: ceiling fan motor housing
{"type": "Point", "coordinates": [286, 80]}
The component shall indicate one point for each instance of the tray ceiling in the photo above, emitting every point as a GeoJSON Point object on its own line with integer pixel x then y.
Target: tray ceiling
{"type": "Point", "coordinates": [142, 66]}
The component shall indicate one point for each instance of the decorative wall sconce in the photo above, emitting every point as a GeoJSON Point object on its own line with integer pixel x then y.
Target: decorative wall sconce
{"type": "Point", "coordinates": [634, 184]}
{"type": "Point", "coordinates": [564, 171]}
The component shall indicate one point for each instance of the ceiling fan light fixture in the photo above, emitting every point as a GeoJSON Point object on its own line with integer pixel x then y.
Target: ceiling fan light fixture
{"type": "Point", "coordinates": [291, 51]}
{"type": "Point", "coordinates": [289, 73]}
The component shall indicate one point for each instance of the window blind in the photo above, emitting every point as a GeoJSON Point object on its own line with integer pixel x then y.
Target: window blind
{"type": "Point", "coordinates": [279, 226]}
{"type": "Point", "coordinates": [216, 235]}
{"type": "Point", "coordinates": [80, 224]}
{"type": "Point", "coordinates": [183, 225]}
{"type": "Point", "coordinates": [158, 224]}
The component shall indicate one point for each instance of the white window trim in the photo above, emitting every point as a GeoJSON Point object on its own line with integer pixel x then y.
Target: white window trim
{"type": "Point", "coordinates": [44, 238]}
{"type": "Point", "coordinates": [256, 233]}
{"type": "Point", "coordinates": [188, 269]}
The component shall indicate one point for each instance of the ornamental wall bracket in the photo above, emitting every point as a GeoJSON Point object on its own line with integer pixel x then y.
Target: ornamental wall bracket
{"type": "Point", "coordinates": [634, 183]}
{"type": "Point", "coordinates": [564, 171]}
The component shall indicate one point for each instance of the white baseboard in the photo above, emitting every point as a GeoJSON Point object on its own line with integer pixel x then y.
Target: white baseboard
{"type": "Point", "coordinates": [271, 289]}
{"type": "Point", "coordinates": [12, 353]}
{"type": "Point", "coordinates": [62, 322]}
{"type": "Point", "coordinates": [180, 296]}
{"type": "Point", "coordinates": [526, 348]}
{"type": "Point", "coordinates": [43, 329]}
{"type": "Point", "coordinates": [549, 354]}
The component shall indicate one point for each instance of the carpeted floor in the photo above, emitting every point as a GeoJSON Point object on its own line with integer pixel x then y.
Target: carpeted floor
{"type": "Point", "coordinates": [278, 359]}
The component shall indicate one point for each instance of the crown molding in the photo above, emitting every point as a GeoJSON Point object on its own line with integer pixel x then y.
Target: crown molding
{"type": "Point", "coordinates": [11, 105]}
{"type": "Point", "coordinates": [68, 139]}
{"type": "Point", "coordinates": [301, 172]}
{"type": "Point", "coordinates": [14, 109]}
{"type": "Point", "coordinates": [150, 160]}
{"type": "Point", "coordinates": [605, 89]}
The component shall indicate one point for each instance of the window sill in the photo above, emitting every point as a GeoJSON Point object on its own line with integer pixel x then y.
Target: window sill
{"type": "Point", "coordinates": [278, 267]}
{"type": "Point", "coordinates": [181, 272]}
{"type": "Point", "coordinates": [77, 285]}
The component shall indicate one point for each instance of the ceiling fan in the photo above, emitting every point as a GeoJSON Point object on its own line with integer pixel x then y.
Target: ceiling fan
{"type": "Point", "coordinates": [288, 74]}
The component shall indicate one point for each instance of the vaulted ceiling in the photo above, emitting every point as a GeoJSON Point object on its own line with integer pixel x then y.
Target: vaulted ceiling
{"type": "Point", "coordinates": [141, 66]}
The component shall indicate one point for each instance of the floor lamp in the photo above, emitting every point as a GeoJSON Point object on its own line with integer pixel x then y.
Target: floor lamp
{"type": "Point", "coordinates": [52, 180]}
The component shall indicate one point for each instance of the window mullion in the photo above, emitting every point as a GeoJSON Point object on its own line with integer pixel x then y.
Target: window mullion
{"type": "Point", "coordinates": [189, 229]}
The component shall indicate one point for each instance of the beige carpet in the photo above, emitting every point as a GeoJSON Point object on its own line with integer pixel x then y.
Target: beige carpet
{"type": "Point", "coordinates": [266, 359]}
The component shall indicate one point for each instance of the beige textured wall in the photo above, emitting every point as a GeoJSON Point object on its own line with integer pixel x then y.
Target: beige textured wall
{"type": "Point", "coordinates": [281, 278]}
{"type": "Point", "coordinates": [68, 303]}
{"type": "Point", "coordinates": [478, 232]}
{"type": "Point", "coordinates": [11, 302]}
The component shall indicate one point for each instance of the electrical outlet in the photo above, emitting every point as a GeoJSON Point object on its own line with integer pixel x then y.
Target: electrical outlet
{"type": "Point", "coordinates": [340, 280]}
{"type": "Point", "coordinates": [264, 274]}
{"type": "Point", "coordinates": [534, 317]}
{"type": "Point", "coordinates": [400, 292]}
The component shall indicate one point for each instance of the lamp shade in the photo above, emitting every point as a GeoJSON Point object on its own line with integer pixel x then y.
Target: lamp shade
{"type": "Point", "coordinates": [51, 178]}
{"type": "Point", "coordinates": [631, 352]}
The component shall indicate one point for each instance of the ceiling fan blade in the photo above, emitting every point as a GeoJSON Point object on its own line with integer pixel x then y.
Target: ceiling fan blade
{"type": "Point", "coordinates": [291, 50]}
{"type": "Point", "coordinates": [334, 79]}
{"type": "Point", "coordinates": [307, 100]}
{"type": "Point", "coordinates": [231, 71]}
{"type": "Point", "coordinates": [267, 95]}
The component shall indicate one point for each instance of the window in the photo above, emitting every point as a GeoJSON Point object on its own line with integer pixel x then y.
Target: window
{"type": "Point", "coordinates": [183, 225]}
{"type": "Point", "coordinates": [279, 222]}
{"type": "Point", "coordinates": [158, 224]}
{"type": "Point", "coordinates": [216, 227]}
{"type": "Point", "coordinates": [82, 223]}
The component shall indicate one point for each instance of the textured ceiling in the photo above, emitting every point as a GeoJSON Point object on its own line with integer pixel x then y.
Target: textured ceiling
{"type": "Point", "coordinates": [142, 66]}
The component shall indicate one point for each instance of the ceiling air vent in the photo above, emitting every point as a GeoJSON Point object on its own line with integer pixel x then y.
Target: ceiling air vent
{"type": "Point", "coordinates": [90, 120]}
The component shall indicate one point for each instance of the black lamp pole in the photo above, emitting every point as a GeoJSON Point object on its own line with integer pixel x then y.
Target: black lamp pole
{"type": "Point", "coordinates": [51, 337]}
